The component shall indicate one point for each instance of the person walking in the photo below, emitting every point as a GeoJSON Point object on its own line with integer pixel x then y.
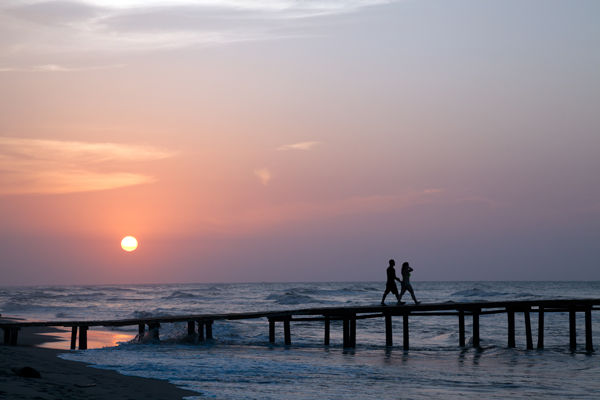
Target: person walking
{"type": "Point", "coordinates": [390, 285]}
{"type": "Point", "coordinates": [405, 271]}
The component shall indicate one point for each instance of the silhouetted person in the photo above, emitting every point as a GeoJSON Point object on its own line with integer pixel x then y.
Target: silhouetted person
{"type": "Point", "coordinates": [406, 270]}
{"type": "Point", "coordinates": [390, 285]}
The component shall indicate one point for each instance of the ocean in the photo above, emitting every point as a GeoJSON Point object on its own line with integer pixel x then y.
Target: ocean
{"type": "Point", "coordinates": [240, 363]}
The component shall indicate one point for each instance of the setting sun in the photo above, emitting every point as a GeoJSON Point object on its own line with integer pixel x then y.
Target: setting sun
{"type": "Point", "coordinates": [129, 243]}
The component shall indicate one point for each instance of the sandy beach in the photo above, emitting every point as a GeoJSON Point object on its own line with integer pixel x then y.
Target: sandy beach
{"type": "Point", "coordinates": [64, 380]}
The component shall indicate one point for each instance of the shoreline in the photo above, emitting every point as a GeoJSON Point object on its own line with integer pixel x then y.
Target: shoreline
{"type": "Point", "coordinates": [69, 380]}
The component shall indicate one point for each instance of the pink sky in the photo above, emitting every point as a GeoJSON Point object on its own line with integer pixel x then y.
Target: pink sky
{"type": "Point", "coordinates": [294, 140]}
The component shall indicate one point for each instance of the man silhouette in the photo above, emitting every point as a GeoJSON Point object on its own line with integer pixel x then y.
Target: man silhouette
{"type": "Point", "coordinates": [390, 285]}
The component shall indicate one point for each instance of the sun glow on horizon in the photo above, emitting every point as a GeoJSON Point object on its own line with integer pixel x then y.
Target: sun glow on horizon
{"type": "Point", "coordinates": [129, 243]}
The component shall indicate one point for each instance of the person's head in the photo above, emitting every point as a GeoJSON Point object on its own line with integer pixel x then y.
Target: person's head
{"type": "Point", "coordinates": [392, 263]}
{"type": "Point", "coordinates": [404, 265]}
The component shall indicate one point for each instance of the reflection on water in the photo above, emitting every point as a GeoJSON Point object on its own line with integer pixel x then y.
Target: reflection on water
{"type": "Point", "coordinates": [97, 339]}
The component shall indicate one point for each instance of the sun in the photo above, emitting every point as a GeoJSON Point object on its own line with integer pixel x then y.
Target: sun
{"type": "Point", "coordinates": [129, 243]}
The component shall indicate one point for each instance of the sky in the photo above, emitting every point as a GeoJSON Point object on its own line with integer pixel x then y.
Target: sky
{"type": "Point", "coordinates": [289, 140]}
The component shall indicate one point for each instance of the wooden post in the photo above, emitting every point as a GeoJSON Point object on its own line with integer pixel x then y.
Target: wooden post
{"type": "Point", "coordinates": [6, 335]}
{"type": "Point", "coordinates": [540, 343]}
{"type": "Point", "coordinates": [209, 334]}
{"type": "Point", "coordinates": [405, 330]}
{"type": "Point", "coordinates": [346, 325]}
{"type": "Point", "coordinates": [388, 331]}
{"type": "Point", "coordinates": [14, 336]}
{"type": "Point", "coordinates": [589, 346]}
{"type": "Point", "coordinates": [73, 337]}
{"type": "Point", "coordinates": [200, 331]}
{"type": "Point", "coordinates": [191, 328]}
{"type": "Point", "coordinates": [327, 330]}
{"type": "Point", "coordinates": [83, 337]}
{"type": "Point", "coordinates": [154, 330]}
{"type": "Point", "coordinates": [572, 329]}
{"type": "Point", "coordinates": [528, 329]}
{"type": "Point", "coordinates": [286, 331]}
{"type": "Point", "coordinates": [271, 330]}
{"type": "Point", "coordinates": [476, 327]}
{"type": "Point", "coordinates": [461, 328]}
{"type": "Point", "coordinates": [511, 327]}
{"type": "Point", "coordinates": [353, 331]}
{"type": "Point", "coordinates": [141, 331]}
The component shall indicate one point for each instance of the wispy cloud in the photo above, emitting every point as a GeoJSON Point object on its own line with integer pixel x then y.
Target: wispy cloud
{"type": "Point", "coordinates": [57, 68]}
{"type": "Point", "coordinates": [263, 174]}
{"type": "Point", "coordinates": [52, 166]}
{"type": "Point", "coordinates": [299, 146]}
{"type": "Point", "coordinates": [48, 27]}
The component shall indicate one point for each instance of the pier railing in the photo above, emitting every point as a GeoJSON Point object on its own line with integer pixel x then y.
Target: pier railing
{"type": "Point", "coordinates": [349, 316]}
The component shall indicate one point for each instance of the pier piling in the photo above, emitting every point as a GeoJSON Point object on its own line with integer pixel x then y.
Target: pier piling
{"type": "Point", "coordinates": [73, 337]}
{"type": "Point", "coordinates": [461, 328]}
{"type": "Point", "coordinates": [200, 331]}
{"type": "Point", "coordinates": [286, 331]}
{"type": "Point", "coordinates": [389, 341]}
{"type": "Point", "coordinates": [83, 337]}
{"type": "Point", "coordinates": [572, 329]}
{"type": "Point", "coordinates": [528, 329]}
{"type": "Point", "coordinates": [327, 330]}
{"type": "Point", "coordinates": [589, 346]}
{"type": "Point", "coordinates": [476, 313]}
{"type": "Point", "coordinates": [209, 332]}
{"type": "Point", "coordinates": [511, 327]}
{"type": "Point", "coordinates": [405, 331]}
{"type": "Point", "coordinates": [540, 343]}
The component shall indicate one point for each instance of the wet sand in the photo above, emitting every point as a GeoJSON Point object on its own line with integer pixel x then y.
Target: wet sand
{"type": "Point", "coordinates": [69, 380]}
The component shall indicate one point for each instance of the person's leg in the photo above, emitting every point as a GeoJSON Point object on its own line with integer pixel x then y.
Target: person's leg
{"type": "Point", "coordinates": [412, 293]}
{"type": "Point", "coordinates": [402, 291]}
{"type": "Point", "coordinates": [384, 296]}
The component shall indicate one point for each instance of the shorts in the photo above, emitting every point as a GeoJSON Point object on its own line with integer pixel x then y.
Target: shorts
{"type": "Point", "coordinates": [391, 287]}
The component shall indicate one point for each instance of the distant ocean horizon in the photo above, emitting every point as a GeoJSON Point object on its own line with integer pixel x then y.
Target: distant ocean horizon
{"type": "Point", "coordinates": [240, 363]}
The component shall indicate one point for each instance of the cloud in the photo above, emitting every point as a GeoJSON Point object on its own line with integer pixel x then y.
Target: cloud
{"type": "Point", "coordinates": [49, 27]}
{"type": "Point", "coordinates": [30, 166]}
{"type": "Point", "coordinates": [263, 174]}
{"type": "Point", "coordinates": [57, 68]}
{"type": "Point", "coordinates": [298, 146]}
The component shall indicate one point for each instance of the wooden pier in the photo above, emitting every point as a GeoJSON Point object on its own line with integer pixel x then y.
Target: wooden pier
{"type": "Point", "coordinates": [200, 326]}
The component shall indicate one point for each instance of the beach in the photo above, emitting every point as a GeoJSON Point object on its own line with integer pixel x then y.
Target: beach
{"type": "Point", "coordinates": [65, 380]}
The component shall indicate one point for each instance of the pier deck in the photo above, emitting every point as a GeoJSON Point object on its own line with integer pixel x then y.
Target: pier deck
{"type": "Point", "coordinates": [349, 315]}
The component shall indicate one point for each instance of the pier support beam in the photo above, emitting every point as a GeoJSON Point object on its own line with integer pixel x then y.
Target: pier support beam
{"type": "Point", "coordinates": [191, 328]}
{"type": "Point", "coordinates": [526, 313]}
{"type": "Point", "coordinates": [286, 331]}
{"type": "Point", "coordinates": [353, 330]}
{"type": "Point", "coordinates": [346, 332]}
{"type": "Point", "coordinates": [271, 330]}
{"type": "Point", "coordinates": [476, 327]}
{"type": "Point", "coordinates": [388, 331]}
{"type": "Point", "coordinates": [511, 328]}
{"type": "Point", "coordinates": [405, 331]}
{"type": "Point", "coordinates": [327, 330]}
{"type": "Point", "coordinates": [73, 337]}
{"type": "Point", "coordinates": [14, 336]}
{"type": "Point", "coordinates": [83, 337]}
{"type": "Point", "coordinates": [200, 331]}
{"type": "Point", "coordinates": [589, 346]}
{"type": "Point", "coordinates": [461, 328]}
{"type": "Point", "coordinates": [209, 334]}
{"type": "Point", "coordinates": [572, 329]}
{"type": "Point", "coordinates": [6, 335]}
{"type": "Point", "coordinates": [540, 343]}
{"type": "Point", "coordinates": [141, 332]}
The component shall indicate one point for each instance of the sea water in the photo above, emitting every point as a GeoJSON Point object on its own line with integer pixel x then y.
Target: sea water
{"type": "Point", "coordinates": [240, 363]}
